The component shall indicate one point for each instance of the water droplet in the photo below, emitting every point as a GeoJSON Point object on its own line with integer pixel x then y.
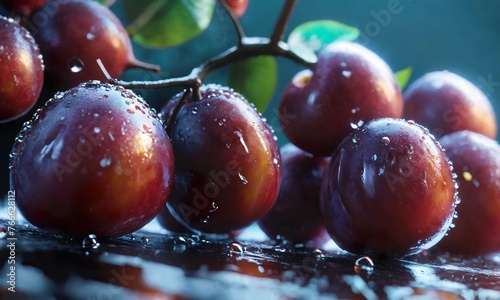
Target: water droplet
{"type": "Point", "coordinates": [3, 232]}
{"type": "Point", "coordinates": [356, 139]}
{"type": "Point", "coordinates": [364, 263]}
{"type": "Point", "coordinates": [97, 129]}
{"type": "Point", "coordinates": [105, 162]}
{"type": "Point", "coordinates": [214, 207]}
{"type": "Point", "coordinates": [194, 112]}
{"type": "Point", "coordinates": [318, 254]}
{"type": "Point", "coordinates": [237, 248]}
{"type": "Point", "coordinates": [180, 240]}
{"type": "Point", "coordinates": [346, 73]}
{"type": "Point", "coordinates": [276, 161]}
{"type": "Point", "coordinates": [145, 239]}
{"type": "Point", "coordinates": [386, 141]}
{"type": "Point", "coordinates": [96, 115]}
{"type": "Point", "coordinates": [411, 122]}
{"type": "Point", "coordinates": [243, 179]}
{"type": "Point", "coordinates": [75, 65]}
{"type": "Point", "coordinates": [206, 219]}
{"type": "Point", "coordinates": [374, 157]}
{"type": "Point", "coordinates": [90, 242]}
{"type": "Point", "coordinates": [90, 36]}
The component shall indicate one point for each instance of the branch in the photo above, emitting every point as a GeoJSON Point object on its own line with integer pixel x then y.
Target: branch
{"type": "Point", "coordinates": [247, 47]}
{"type": "Point", "coordinates": [236, 21]}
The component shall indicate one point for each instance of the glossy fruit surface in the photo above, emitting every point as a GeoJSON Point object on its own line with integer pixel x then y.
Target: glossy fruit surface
{"type": "Point", "coordinates": [348, 86]}
{"type": "Point", "coordinates": [227, 163]}
{"type": "Point", "coordinates": [444, 103]}
{"type": "Point", "coordinates": [168, 222]}
{"type": "Point", "coordinates": [239, 7]}
{"type": "Point", "coordinates": [94, 159]}
{"type": "Point", "coordinates": [476, 160]}
{"type": "Point", "coordinates": [23, 7]}
{"type": "Point", "coordinates": [21, 70]}
{"type": "Point", "coordinates": [388, 190]}
{"type": "Point", "coordinates": [296, 216]}
{"type": "Point", "coordinates": [79, 33]}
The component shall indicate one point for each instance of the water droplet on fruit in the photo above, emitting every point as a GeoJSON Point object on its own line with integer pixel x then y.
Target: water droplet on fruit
{"type": "Point", "coordinates": [411, 122]}
{"type": "Point", "coordinates": [206, 219]}
{"type": "Point", "coordinates": [276, 161]}
{"type": "Point", "coordinates": [214, 207]}
{"type": "Point", "coordinates": [242, 178]}
{"type": "Point", "coordinates": [318, 254]}
{"type": "Point", "coordinates": [180, 240]}
{"type": "Point", "coordinates": [386, 141]}
{"type": "Point", "coordinates": [105, 162]}
{"type": "Point", "coordinates": [90, 36]}
{"type": "Point", "coordinates": [90, 242]}
{"type": "Point", "coordinates": [145, 239]}
{"type": "Point", "coordinates": [237, 248]}
{"type": "Point", "coordinates": [346, 73]}
{"type": "Point", "coordinates": [364, 263]}
{"type": "Point", "coordinates": [75, 65]}
{"type": "Point", "coordinates": [3, 232]}
{"type": "Point", "coordinates": [97, 129]}
{"type": "Point", "coordinates": [374, 157]}
{"type": "Point", "coordinates": [356, 139]}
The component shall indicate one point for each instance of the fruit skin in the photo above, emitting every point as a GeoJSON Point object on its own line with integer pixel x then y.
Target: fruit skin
{"type": "Point", "coordinates": [79, 33]}
{"type": "Point", "coordinates": [239, 7]}
{"type": "Point", "coordinates": [95, 159]}
{"type": "Point", "coordinates": [388, 190]}
{"type": "Point", "coordinates": [21, 71]}
{"type": "Point", "coordinates": [476, 160]}
{"type": "Point", "coordinates": [227, 162]}
{"type": "Point", "coordinates": [296, 215]}
{"type": "Point", "coordinates": [23, 7]}
{"type": "Point", "coordinates": [349, 84]}
{"type": "Point", "coordinates": [445, 102]}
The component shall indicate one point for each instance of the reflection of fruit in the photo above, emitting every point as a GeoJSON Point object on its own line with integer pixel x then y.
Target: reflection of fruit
{"type": "Point", "coordinates": [445, 102]}
{"type": "Point", "coordinates": [476, 160]}
{"type": "Point", "coordinates": [79, 33]}
{"type": "Point", "coordinates": [21, 70]}
{"type": "Point", "coordinates": [239, 7]}
{"type": "Point", "coordinates": [93, 160]}
{"type": "Point", "coordinates": [348, 86]}
{"type": "Point", "coordinates": [296, 215]}
{"type": "Point", "coordinates": [388, 190]}
{"type": "Point", "coordinates": [23, 7]}
{"type": "Point", "coordinates": [227, 163]}
{"type": "Point", "coordinates": [168, 222]}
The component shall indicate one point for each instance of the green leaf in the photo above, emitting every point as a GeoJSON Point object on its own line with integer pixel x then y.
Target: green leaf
{"type": "Point", "coordinates": [403, 76]}
{"type": "Point", "coordinates": [255, 78]}
{"type": "Point", "coordinates": [311, 37]}
{"type": "Point", "coordinates": [167, 23]}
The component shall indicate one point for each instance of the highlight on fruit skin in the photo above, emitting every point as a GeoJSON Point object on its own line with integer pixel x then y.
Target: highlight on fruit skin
{"type": "Point", "coordinates": [21, 70]}
{"type": "Point", "coordinates": [227, 161]}
{"type": "Point", "coordinates": [94, 159]}
{"type": "Point", "coordinates": [389, 190]}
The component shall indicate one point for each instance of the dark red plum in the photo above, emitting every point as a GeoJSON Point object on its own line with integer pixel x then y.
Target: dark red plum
{"type": "Point", "coordinates": [476, 159]}
{"type": "Point", "coordinates": [348, 86]}
{"type": "Point", "coordinates": [389, 190]}
{"type": "Point", "coordinates": [76, 35]}
{"type": "Point", "coordinates": [296, 215]}
{"type": "Point", "coordinates": [23, 7]}
{"type": "Point", "coordinates": [445, 102]}
{"type": "Point", "coordinates": [94, 159]}
{"type": "Point", "coordinates": [227, 162]}
{"type": "Point", "coordinates": [21, 70]}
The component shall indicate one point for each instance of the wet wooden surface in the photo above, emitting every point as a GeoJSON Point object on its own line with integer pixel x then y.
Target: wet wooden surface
{"type": "Point", "coordinates": [152, 264]}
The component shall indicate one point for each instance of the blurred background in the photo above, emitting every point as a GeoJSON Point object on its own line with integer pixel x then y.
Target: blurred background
{"type": "Point", "coordinates": [462, 36]}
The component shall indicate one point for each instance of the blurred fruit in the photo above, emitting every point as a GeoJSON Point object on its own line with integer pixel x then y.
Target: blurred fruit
{"type": "Point", "coordinates": [349, 85]}
{"type": "Point", "coordinates": [23, 7]}
{"type": "Point", "coordinates": [227, 162]}
{"type": "Point", "coordinates": [445, 102]}
{"type": "Point", "coordinates": [21, 70]}
{"type": "Point", "coordinates": [476, 160]}
{"type": "Point", "coordinates": [296, 216]}
{"type": "Point", "coordinates": [388, 190]}
{"type": "Point", "coordinates": [94, 159]}
{"type": "Point", "coordinates": [78, 34]}
{"type": "Point", "coordinates": [239, 7]}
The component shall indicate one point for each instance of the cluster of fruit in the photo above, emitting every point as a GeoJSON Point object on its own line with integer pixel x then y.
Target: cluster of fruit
{"type": "Point", "coordinates": [361, 167]}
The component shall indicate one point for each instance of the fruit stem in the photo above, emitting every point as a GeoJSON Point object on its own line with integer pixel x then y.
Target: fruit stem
{"type": "Point", "coordinates": [176, 110]}
{"type": "Point", "coordinates": [247, 47]}
{"type": "Point", "coordinates": [236, 21]}
{"type": "Point", "coordinates": [280, 27]}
